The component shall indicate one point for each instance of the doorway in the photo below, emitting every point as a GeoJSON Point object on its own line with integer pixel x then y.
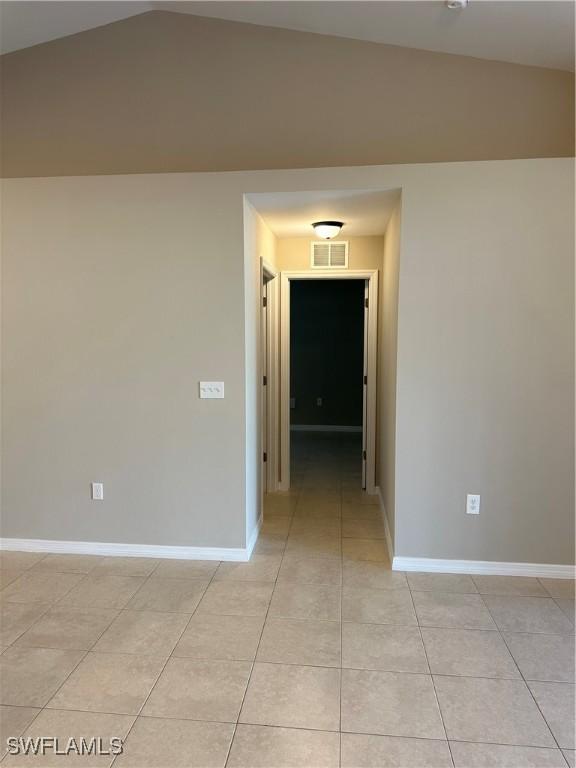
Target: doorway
{"type": "Point", "coordinates": [345, 396]}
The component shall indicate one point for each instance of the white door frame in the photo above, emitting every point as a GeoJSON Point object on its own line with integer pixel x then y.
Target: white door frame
{"type": "Point", "coordinates": [371, 275]}
{"type": "Point", "coordinates": [268, 277]}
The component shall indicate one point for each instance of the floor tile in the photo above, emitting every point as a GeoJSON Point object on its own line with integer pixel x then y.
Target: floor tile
{"type": "Point", "coordinates": [362, 573]}
{"type": "Point", "coordinates": [270, 544]}
{"type": "Point", "coordinates": [365, 549]}
{"type": "Point", "coordinates": [293, 696]}
{"type": "Point", "coordinates": [257, 746]}
{"type": "Point", "coordinates": [441, 582]}
{"type": "Point", "coordinates": [68, 563]}
{"type": "Point", "coordinates": [301, 641]}
{"type": "Point", "coordinates": [509, 585]}
{"type": "Point", "coordinates": [19, 560]}
{"type": "Point", "coordinates": [475, 653]}
{"type": "Point", "coordinates": [377, 606]}
{"type": "Point", "coordinates": [305, 601]}
{"type": "Point", "coordinates": [143, 632]}
{"type": "Point", "coordinates": [16, 618]}
{"type": "Point", "coordinates": [276, 504]}
{"type": "Point", "coordinates": [186, 569]}
{"type": "Point", "coordinates": [8, 575]}
{"type": "Point", "coordinates": [276, 525]}
{"type": "Point", "coordinates": [444, 609]}
{"type": "Point", "coordinates": [311, 570]}
{"type": "Point", "coordinates": [497, 711]}
{"type": "Point", "coordinates": [543, 657]}
{"type": "Point", "coordinates": [169, 595]}
{"type": "Point", "coordinates": [528, 614]}
{"type": "Point", "coordinates": [358, 528]}
{"type": "Point", "coordinates": [499, 756]}
{"type": "Point", "coordinates": [359, 497]}
{"type": "Point", "coordinates": [361, 512]}
{"type": "Point", "coordinates": [127, 566]}
{"type": "Point", "coordinates": [314, 545]}
{"type": "Point", "coordinates": [559, 587]}
{"type": "Point", "coordinates": [570, 756]}
{"type": "Point", "coordinates": [199, 690]}
{"type": "Point", "coordinates": [260, 568]}
{"type": "Point", "coordinates": [391, 649]}
{"type": "Point", "coordinates": [30, 676]}
{"type": "Point", "coordinates": [68, 628]}
{"type": "Point", "coordinates": [109, 682]}
{"type": "Point", "coordinates": [35, 587]}
{"type": "Point", "coordinates": [232, 638]}
{"type": "Point", "coordinates": [318, 525]}
{"type": "Point", "coordinates": [65, 725]}
{"type": "Point", "coordinates": [556, 702]}
{"type": "Point", "coordinates": [566, 605]}
{"type": "Point", "coordinates": [13, 722]}
{"type": "Point", "coordinates": [364, 751]}
{"type": "Point", "coordinates": [236, 598]}
{"type": "Point", "coordinates": [390, 704]}
{"type": "Point", "coordinates": [162, 743]}
{"type": "Point", "coordinates": [319, 510]}
{"type": "Point", "coordinates": [102, 591]}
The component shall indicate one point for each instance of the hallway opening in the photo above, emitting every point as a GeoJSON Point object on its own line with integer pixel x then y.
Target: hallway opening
{"type": "Point", "coordinates": [327, 352]}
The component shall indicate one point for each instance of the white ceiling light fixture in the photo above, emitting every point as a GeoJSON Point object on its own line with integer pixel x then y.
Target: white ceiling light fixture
{"type": "Point", "coordinates": [456, 5]}
{"type": "Point", "coordinates": [327, 229]}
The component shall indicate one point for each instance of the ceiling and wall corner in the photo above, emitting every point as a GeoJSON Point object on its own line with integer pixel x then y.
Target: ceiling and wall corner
{"type": "Point", "coordinates": [127, 98]}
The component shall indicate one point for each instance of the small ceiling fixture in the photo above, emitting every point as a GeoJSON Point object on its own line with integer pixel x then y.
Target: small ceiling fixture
{"type": "Point", "coordinates": [456, 5]}
{"type": "Point", "coordinates": [327, 229]}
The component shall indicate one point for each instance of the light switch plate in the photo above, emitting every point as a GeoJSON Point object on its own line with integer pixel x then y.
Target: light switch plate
{"type": "Point", "coordinates": [211, 389]}
{"type": "Point", "coordinates": [97, 491]}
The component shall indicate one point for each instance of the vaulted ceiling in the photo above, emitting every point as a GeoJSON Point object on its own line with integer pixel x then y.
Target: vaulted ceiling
{"type": "Point", "coordinates": [538, 33]}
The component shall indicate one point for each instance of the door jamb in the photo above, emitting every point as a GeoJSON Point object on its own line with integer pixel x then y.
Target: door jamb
{"type": "Point", "coordinates": [268, 276]}
{"type": "Point", "coordinates": [371, 275]}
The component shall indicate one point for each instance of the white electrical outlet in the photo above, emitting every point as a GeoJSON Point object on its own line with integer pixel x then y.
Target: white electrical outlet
{"type": "Point", "coordinates": [319, 401]}
{"type": "Point", "coordinates": [473, 504]}
{"type": "Point", "coordinates": [211, 390]}
{"type": "Point", "coordinates": [97, 491]}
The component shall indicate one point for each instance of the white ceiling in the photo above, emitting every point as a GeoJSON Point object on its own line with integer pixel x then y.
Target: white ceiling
{"type": "Point", "coordinates": [537, 32]}
{"type": "Point", "coordinates": [291, 214]}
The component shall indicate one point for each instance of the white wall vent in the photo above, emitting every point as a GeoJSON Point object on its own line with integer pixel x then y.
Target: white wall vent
{"type": "Point", "coordinates": [329, 254]}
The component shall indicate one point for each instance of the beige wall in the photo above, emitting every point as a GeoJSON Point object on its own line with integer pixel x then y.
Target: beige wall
{"type": "Point", "coordinates": [387, 362]}
{"type": "Point", "coordinates": [154, 93]}
{"type": "Point", "coordinates": [259, 246]}
{"type": "Point", "coordinates": [121, 293]}
{"type": "Point", "coordinates": [293, 253]}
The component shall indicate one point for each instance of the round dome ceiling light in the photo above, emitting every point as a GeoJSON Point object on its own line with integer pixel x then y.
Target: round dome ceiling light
{"type": "Point", "coordinates": [327, 229]}
{"type": "Point", "coordinates": [456, 5]}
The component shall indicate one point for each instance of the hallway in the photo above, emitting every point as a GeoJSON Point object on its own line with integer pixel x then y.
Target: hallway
{"type": "Point", "coordinates": [312, 655]}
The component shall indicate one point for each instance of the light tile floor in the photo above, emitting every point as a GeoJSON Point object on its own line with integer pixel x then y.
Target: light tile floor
{"type": "Point", "coordinates": [314, 654]}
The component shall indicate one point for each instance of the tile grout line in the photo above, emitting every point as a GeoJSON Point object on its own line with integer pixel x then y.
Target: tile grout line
{"type": "Point", "coordinates": [431, 675]}
{"type": "Point", "coordinates": [523, 679]}
{"type": "Point", "coordinates": [170, 655]}
{"type": "Point", "coordinates": [253, 663]}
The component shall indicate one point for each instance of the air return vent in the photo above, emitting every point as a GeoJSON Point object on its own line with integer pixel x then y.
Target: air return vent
{"type": "Point", "coordinates": [332, 254]}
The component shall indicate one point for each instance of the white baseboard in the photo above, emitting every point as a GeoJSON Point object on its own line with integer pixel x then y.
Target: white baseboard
{"type": "Point", "coordinates": [387, 534]}
{"type": "Point", "coordinates": [483, 567]}
{"type": "Point", "coordinates": [254, 536]}
{"type": "Point", "coordinates": [323, 428]}
{"type": "Point", "coordinates": [240, 554]}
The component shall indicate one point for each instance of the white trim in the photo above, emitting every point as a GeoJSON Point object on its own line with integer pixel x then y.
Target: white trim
{"type": "Point", "coordinates": [387, 533]}
{"type": "Point", "coordinates": [371, 275]}
{"type": "Point", "coordinates": [484, 567]}
{"type": "Point", "coordinates": [254, 535]}
{"type": "Point", "coordinates": [323, 428]}
{"type": "Point", "coordinates": [240, 554]}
